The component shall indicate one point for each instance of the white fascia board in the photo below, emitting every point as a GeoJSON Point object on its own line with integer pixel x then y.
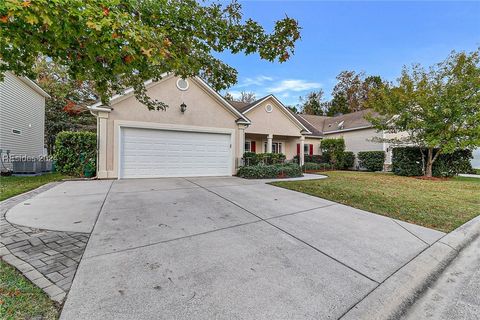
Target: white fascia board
{"type": "Point", "coordinates": [285, 111]}
{"type": "Point", "coordinates": [35, 87]}
{"type": "Point", "coordinates": [345, 130]}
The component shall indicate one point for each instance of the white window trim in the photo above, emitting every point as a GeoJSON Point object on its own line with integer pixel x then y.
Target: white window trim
{"type": "Point", "coordinates": [282, 145]}
{"type": "Point", "coordinates": [249, 146]}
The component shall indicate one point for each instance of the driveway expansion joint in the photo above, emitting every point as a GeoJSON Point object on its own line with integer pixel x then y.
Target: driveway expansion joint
{"type": "Point", "coordinates": [47, 258]}
{"type": "Point", "coordinates": [284, 231]}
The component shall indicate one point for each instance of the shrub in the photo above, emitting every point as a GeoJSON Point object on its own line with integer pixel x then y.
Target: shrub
{"type": "Point", "coordinates": [75, 152]}
{"type": "Point", "coordinates": [449, 165]}
{"type": "Point", "coordinates": [252, 158]}
{"type": "Point", "coordinates": [348, 160]}
{"type": "Point", "coordinates": [312, 166]}
{"type": "Point", "coordinates": [407, 161]}
{"type": "Point", "coordinates": [372, 160]}
{"type": "Point", "coordinates": [332, 151]}
{"type": "Point", "coordinates": [262, 171]}
{"type": "Point", "coordinates": [315, 158]}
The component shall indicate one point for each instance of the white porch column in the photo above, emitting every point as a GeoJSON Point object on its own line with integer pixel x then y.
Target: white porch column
{"type": "Point", "coordinates": [302, 150]}
{"type": "Point", "coordinates": [102, 145]}
{"type": "Point", "coordinates": [241, 144]}
{"type": "Point", "coordinates": [269, 143]}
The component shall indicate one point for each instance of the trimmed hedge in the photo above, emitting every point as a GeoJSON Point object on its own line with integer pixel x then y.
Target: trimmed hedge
{"type": "Point", "coordinates": [75, 152]}
{"type": "Point", "coordinates": [407, 161]}
{"type": "Point", "coordinates": [372, 160]}
{"type": "Point", "coordinates": [312, 166]}
{"type": "Point", "coordinates": [252, 158]}
{"type": "Point", "coordinates": [262, 171]}
{"type": "Point", "coordinates": [332, 151]}
{"type": "Point", "coordinates": [315, 158]}
{"type": "Point", "coordinates": [348, 160]}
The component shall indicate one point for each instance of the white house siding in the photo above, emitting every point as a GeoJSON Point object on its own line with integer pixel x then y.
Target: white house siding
{"type": "Point", "coordinates": [358, 140]}
{"type": "Point", "coordinates": [476, 159]}
{"type": "Point", "coordinates": [21, 108]}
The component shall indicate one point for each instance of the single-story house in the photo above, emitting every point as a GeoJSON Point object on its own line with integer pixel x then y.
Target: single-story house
{"type": "Point", "coordinates": [199, 134]}
{"type": "Point", "coordinates": [22, 120]}
{"type": "Point", "coordinates": [202, 134]}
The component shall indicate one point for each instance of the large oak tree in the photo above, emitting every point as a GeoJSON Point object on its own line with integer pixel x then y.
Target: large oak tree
{"type": "Point", "coordinates": [122, 43]}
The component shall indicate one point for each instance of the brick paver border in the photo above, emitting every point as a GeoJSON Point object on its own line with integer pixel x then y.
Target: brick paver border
{"type": "Point", "coordinates": [47, 258]}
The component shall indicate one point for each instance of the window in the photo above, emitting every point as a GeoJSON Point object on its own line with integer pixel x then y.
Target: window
{"type": "Point", "coordinates": [277, 147]}
{"type": "Point", "coordinates": [306, 148]}
{"type": "Point", "coordinates": [248, 146]}
{"type": "Point", "coordinates": [16, 131]}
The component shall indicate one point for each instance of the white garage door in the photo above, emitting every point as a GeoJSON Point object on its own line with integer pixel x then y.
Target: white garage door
{"type": "Point", "coordinates": [149, 153]}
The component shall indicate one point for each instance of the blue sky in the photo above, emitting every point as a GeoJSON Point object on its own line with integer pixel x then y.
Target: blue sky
{"type": "Point", "coordinates": [375, 37]}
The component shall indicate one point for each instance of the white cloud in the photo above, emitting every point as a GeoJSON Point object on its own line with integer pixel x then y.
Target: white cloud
{"type": "Point", "coordinates": [255, 81]}
{"type": "Point", "coordinates": [294, 85]}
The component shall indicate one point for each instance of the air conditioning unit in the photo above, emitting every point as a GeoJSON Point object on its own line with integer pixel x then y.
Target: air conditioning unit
{"type": "Point", "coordinates": [26, 166]}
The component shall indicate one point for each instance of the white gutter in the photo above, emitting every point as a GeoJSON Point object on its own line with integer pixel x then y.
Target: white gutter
{"type": "Point", "coordinates": [344, 130]}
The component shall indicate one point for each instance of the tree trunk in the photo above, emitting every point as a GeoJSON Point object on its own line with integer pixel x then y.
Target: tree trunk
{"type": "Point", "coordinates": [428, 169]}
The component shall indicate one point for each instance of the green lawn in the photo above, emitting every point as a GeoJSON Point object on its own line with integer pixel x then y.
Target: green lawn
{"type": "Point", "coordinates": [20, 299]}
{"type": "Point", "coordinates": [442, 205]}
{"type": "Point", "coordinates": [11, 186]}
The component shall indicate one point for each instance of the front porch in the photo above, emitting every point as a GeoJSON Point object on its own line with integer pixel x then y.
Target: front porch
{"type": "Point", "coordinates": [290, 146]}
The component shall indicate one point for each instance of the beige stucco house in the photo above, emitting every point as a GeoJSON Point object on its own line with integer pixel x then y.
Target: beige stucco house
{"type": "Point", "coordinates": [199, 134]}
{"type": "Point", "coordinates": [202, 134]}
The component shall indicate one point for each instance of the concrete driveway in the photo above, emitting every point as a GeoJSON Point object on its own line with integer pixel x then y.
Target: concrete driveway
{"type": "Point", "coordinates": [228, 248]}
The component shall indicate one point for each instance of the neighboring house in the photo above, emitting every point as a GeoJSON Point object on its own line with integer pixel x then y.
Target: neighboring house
{"type": "Point", "coordinates": [476, 159]}
{"type": "Point", "coordinates": [354, 128]}
{"type": "Point", "coordinates": [22, 118]}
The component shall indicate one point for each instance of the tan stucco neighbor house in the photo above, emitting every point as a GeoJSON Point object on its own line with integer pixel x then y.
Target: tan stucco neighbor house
{"type": "Point", "coordinates": [202, 134]}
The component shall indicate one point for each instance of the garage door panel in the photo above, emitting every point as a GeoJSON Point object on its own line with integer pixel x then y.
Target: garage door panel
{"type": "Point", "coordinates": [165, 153]}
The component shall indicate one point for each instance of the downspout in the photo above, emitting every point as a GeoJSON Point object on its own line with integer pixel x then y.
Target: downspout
{"type": "Point", "coordinates": [95, 114]}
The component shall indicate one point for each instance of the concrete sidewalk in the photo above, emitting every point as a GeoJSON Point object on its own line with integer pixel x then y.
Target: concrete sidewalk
{"type": "Point", "coordinates": [456, 294]}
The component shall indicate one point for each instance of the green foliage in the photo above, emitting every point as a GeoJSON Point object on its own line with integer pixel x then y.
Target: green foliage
{"type": "Point", "coordinates": [332, 151]}
{"type": "Point", "coordinates": [65, 110]}
{"type": "Point", "coordinates": [121, 44]}
{"type": "Point", "coordinates": [312, 166]}
{"type": "Point", "coordinates": [372, 160]}
{"type": "Point", "coordinates": [261, 171]}
{"type": "Point", "coordinates": [351, 92]}
{"type": "Point", "coordinates": [315, 158]}
{"type": "Point", "coordinates": [449, 165]}
{"type": "Point", "coordinates": [348, 159]}
{"type": "Point", "coordinates": [438, 108]}
{"type": "Point", "coordinates": [252, 158]}
{"type": "Point", "coordinates": [312, 103]}
{"type": "Point", "coordinates": [75, 152]}
{"type": "Point", "coordinates": [408, 161]}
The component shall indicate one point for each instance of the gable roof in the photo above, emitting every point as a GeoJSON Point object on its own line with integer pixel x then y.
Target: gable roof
{"type": "Point", "coordinates": [247, 107]}
{"type": "Point", "coordinates": [345, 122]}
{"type": "Point", "coordinates": [98, 106]}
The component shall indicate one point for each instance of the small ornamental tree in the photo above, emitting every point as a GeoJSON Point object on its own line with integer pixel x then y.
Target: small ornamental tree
{"type": "Point", "coordinates": [437, 109]}
{"type": "Point", "coordinates": [123, 43]}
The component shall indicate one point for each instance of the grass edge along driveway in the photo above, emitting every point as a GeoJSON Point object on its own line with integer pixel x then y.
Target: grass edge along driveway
{"type": "Point", "coordinates": [19, 298]}
{"type": "Point", "coordinates": [443, 205]}
{"type": "Point", "coordinates": [15, 185]}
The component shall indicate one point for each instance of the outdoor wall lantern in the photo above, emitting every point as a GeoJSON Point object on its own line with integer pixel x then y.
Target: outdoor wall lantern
{"type": "Point", "coordinates": [183, 107]}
